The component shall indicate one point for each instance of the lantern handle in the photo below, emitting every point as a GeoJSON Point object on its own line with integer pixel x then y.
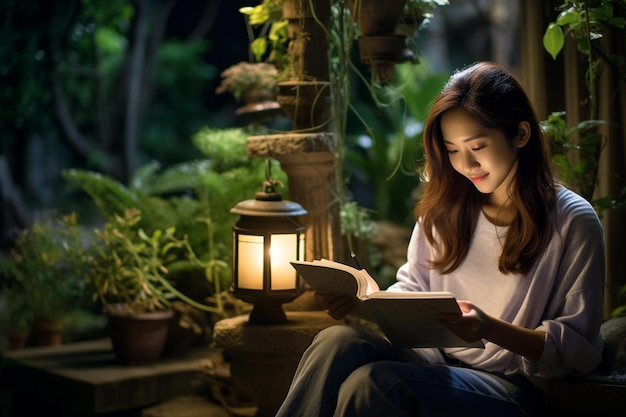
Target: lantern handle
{"type": "Point", "coordinates": [269, 183]}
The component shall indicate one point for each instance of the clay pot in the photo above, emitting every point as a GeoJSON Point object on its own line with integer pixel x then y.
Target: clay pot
{"type": "Point", "coordinates": [376, 16]}
{"type": "Point", "coordinates": [17, 339]}
{"type": "Point", "coordinates": [258, 100]}
{"type": "Point", "coordinates": [139, 338]}
{"type": "Point", "coordinates": [383, 52]}
{"type": "Point", "coordinates": [45, 333]}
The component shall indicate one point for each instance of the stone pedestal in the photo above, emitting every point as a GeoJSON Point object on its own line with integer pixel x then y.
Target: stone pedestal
{"type": "Point", "coordinates": [265, 357]}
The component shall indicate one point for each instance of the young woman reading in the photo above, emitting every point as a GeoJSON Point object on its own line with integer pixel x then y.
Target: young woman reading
{"type": "Point", "coordinates": [523, 255]}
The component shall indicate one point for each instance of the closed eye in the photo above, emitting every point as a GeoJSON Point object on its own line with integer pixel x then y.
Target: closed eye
{"type": "Point", "coordinates": [478, 148]}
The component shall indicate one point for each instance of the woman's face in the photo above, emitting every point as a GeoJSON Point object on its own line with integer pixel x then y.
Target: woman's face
{"type": "Point", "coordinates": [484, 156]}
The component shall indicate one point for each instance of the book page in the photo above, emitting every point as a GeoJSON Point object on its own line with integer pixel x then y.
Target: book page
{"type": "Point", "coordinates": [372, 285]}
{"type": "Point", "coordinates": [411, 294]}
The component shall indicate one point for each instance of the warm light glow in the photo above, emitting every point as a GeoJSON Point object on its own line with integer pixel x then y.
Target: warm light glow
{"type": "Point", "coordinates": [250, 262]}
{"type": "Point", "coordinates": [283, 250]}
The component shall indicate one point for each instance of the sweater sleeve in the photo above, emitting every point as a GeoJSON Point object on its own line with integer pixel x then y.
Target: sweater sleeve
{"type": "Point", "coordinates": [574, 314]}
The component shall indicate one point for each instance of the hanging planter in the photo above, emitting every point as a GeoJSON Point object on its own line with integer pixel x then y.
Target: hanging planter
{"type": "Point", "coordinates": [379, 44]}
{"type": "Point", "coordinates": [253, 84]}
{"type": "Point", "coordinates": [383, 52]}
{"type": "Point", "coordinates": [375, 17]}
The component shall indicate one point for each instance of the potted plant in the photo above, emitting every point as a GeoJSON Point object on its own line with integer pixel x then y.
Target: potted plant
{"type": "Point", "coordinates": [40, 279]}
{"type": "Point", "coordinates": [379, 44]}
{"type": "Point", "coordinates": [185, 205]}
{"type": "Point", "coordinates": [127, 270]}
{"type": "Point", "coordinates": [254, 84]}
{"type": "Point", "coordinates": [15, 317]}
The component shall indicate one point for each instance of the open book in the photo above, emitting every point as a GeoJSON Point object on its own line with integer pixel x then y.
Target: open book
{"type": "Point", "coordinates": [408, 319]}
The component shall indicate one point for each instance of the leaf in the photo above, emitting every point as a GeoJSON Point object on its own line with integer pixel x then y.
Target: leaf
{"type": "Point", "coordinates": [143, 235]}
{"type": "Point", "coordinates": [583, 45]}
{"type": "Point", "coordinates": [567, 17]}
{"type": "Point", "coordinates": [602, 13]}
{"type": "Point", "coordinates": [604, 203]}
{"type": "Point", "coordinates": [619, 311]}
{"type": "Point", "coordinates": [258, 47]}
{"type": "Point", "coordinates": [553, 40]}
{"type": "Point", "coordinates": [619, 22]}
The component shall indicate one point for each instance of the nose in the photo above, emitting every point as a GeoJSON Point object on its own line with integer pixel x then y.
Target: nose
{"type": "Point", "coordinates": [469, 161]}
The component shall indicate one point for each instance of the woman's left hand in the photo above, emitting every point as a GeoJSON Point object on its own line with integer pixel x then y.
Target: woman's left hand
{"type": "Point", "coordinates": [471, 325]}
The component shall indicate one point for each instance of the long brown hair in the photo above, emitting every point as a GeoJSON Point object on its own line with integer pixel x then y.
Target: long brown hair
{"type": "Point", "coordinates": [450, 204]}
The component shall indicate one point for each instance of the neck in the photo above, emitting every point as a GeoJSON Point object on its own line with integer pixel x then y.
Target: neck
{"type": "Point", "coordinates": [500, 214]}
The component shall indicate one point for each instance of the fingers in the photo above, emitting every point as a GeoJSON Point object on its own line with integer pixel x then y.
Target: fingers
{"type": "Point", "coordinates": [465, 306]}
{"type": "Point", "coordinates": [323, 298]}
{"type": "Point", "coordinates": [451, 318]}
{"type": "Point", "coordinates": [338, 306]}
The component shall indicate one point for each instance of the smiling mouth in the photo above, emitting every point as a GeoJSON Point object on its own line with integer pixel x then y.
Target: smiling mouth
{"type": "Point", "coordinates": [478, 179]}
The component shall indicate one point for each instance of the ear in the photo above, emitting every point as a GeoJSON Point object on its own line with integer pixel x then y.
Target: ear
{"type": "Point", "coordinates": [523, 134]}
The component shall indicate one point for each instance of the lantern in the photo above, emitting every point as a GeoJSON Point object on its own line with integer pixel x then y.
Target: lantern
{"type": "Point", "coordinates": [265, 239]}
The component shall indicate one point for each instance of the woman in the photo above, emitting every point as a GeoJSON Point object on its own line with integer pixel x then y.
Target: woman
{"type": "Point", "coordinates": [495, 228]}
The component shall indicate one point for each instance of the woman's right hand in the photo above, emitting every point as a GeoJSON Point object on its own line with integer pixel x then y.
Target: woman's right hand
{"type": "Point", "coordinates": [338, 306]}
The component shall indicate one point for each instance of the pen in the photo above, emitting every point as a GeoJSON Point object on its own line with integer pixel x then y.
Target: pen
{"type": "Point", "coordinates": [356, 260]}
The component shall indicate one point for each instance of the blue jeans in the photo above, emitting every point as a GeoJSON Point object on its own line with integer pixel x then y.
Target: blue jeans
{"type": "Point", "coordinates": [348, 371]}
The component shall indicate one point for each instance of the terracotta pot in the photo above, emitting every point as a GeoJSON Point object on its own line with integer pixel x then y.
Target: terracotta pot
{"type": "Point", "coordinates": [139, 338]}
{"type": "Point", "coordinates": [45, 333]}
{"type": "Point", "coordinates": [17, 339]}
{"type": "Point", "coordinates": [258, 100]}
{"type": "Point", "coordinates": [383, 52]}
{"type": "Point", "coordinates": [376, 16]}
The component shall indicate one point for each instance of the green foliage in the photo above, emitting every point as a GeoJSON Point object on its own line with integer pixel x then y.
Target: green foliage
{"type": "Point", "coordinates": [356, 221]}
{"type": "Point", "coordinates": [390, 159]}
{"type": "Point", "coordinates": [170, 199]}
{"type": "Point", "coordinates": [110, 196]}
{"type": "Point", "coordinates": [553, 39]}
{"type": "Point", "coordinates": [177, 109]}
{"type": "Point", "coordinates": [574, 151]}
{"type": "Point", "coordinates": [420, 9]}
{"type": "Point", "coordinates": [72, 58]}
{"type": "Point", "coordinates": [193, 198]}
{"type": "Point", "coordinates": [26, 30]}
{"type": "Point", "coordinates": [128, 267]}
{"type": "Point", "coordinates": [273, 35]}
{"type": "Point", "coordinates": [39, 277]}
{"type": "Point", "coordinates": [621, 310]}
{"type": "Point", "coordinates": [584, 21]}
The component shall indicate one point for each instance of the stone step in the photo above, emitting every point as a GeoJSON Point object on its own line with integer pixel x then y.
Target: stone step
{"type": "Point", "coordinates": [186, 406]}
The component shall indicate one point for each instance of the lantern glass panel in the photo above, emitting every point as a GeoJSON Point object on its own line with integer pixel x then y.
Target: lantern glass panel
{"type": "Point", "coordinates": [250, 262]}
{"type": "Point", "coordinates": [284, 248]}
